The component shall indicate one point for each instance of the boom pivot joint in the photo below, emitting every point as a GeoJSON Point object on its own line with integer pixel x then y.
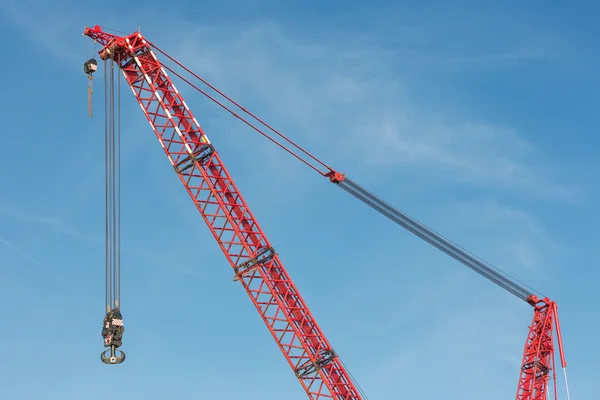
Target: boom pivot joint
{"type": "Point", "coordinates": [535, 301]}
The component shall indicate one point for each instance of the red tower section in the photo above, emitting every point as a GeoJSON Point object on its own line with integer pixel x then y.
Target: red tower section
{"type": "Point", "coordinates": [538, 357]}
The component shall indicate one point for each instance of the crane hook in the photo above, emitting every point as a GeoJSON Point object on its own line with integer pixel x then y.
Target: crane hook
{"type": "Point", "coordinates": [114, 358]}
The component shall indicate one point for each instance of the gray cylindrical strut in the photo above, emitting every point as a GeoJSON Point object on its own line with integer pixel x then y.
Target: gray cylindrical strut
{"type": "Point", "coordinates": [433, 238]}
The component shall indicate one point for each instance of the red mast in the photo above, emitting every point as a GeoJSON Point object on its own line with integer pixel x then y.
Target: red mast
{"type": "Point", "coordinates": [255, 263]}
{"type": "Point", "coordinates": [538, 357]}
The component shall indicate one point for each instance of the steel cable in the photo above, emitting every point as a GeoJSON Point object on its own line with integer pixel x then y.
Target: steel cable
{"type": "Point", "coordinates": [106, 180]}
{"type": "Point", "coordinates": [112, 172]}
{"type": "Point", "coordinates": [112, 144]}
{"type": "Point", "coordinates": [119, 190]}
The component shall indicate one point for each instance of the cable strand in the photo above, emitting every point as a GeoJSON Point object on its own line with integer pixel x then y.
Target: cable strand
{"type": "Point", "coordinates": [112, 165]}
{"type": "Point", "coordinates": [106, 213]}
{"type": "Point", "coordinates": [119, 187]}
{"type": "Point", "coordinates": [244, 110]}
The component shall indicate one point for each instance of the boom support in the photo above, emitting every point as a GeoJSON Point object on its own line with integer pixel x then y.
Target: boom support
{"type": "Point", "coordinates": [538, 358]}
{"type": "Point", "coordinates": [255, 263]}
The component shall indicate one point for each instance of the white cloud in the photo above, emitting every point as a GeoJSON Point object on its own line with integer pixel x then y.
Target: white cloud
{"type": "Point", "coordinates": [347, 97]}
{"type": "Point", "coordinates": [57, 275]}
{"type": "Point", "coordinates": [471, 350]}
{"type": "Point", "coordinates": [348, 105]}
{"type": "Point", "coordinates": [148, 257]}
{"type": "Point", "coordinates": [516, 238]}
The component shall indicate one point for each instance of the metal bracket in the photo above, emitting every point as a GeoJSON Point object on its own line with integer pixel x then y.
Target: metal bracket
{"type": "Point", "coordinates": [309, 367]}
{"type": "Point", "coordinates": [542, 370]}
{"type": "Point", "coordinates": [200, 155]}
{"type": "Point", "coordinates": [263, 256]}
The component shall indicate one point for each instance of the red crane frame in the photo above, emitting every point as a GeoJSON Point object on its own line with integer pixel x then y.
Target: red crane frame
{"type": "Point", "coordinates": [538, 357]}
{"type": "Point", "coordinates": [254, 261]}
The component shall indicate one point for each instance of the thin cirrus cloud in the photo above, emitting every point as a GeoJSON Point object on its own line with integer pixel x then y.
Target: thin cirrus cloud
{"type": "Point", "coordinates": [350, 96]}
{"type": "Point", "coordinates": [356, 109]}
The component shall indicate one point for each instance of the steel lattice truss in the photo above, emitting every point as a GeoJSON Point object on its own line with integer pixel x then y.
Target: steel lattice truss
{"type": "Point", "coordinates": [254, 261]}
{"type": "Point", "coordinates": [256, 264]}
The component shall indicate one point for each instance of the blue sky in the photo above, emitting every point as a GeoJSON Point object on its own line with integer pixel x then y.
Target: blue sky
{"type": "Point", "coordinates": [476, 119]}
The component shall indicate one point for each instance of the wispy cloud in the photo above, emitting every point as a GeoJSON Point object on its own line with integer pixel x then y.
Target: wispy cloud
{"type": "Point", "coordinates": [347, 96]}
{"type": "Point", "coordinates": [464, 151]}
{"type": "Point", "coordinates": [518, 243]}
{"type": "Point", "coordinates": [354, 107]}
{"type": "Point", "coordinates": [457, 340]}
{"type": "Point", "coordinates": [53, 273]}
{"type": "Point", "coordinates": [51, 221]}
{"type": "Point", "coordinates": [28, 17]}
{"type": "Point", "coordinates": [22, 253]}
{"type": "Point", "coordinates": [469, 48]}
{"type": "Point", "coordinates": [167, 262]}
{"type": "Point", "coordinates": [449, 38]}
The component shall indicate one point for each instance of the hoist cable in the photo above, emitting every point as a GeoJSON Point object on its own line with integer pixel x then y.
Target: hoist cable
{"type": "Point", "coordinates": [113, 328]}
{"type": "Point", "coordinates": [248, 123]}
{"type": "Point", "coordinates": [119, 185]}
{"type": "Point", "coordinates": [106, 190]}
{"type": "Point", "coordinates": [112, 187]}
{"type": "Point", "coordinates": [112, 176]}
{"type": "Point", "coordinates": [244, 110]}
{"type": "Point", "coordinates": [110, 191]}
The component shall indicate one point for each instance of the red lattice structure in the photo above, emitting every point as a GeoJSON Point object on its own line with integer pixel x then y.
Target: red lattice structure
{"type": "Point", "coordinates": [253, 259]}
{"type": "Point", "coordinates": [256, 264]}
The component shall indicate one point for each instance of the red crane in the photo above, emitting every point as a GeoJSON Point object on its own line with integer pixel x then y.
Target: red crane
{"type": "Point", "coordinates": [255, 263]}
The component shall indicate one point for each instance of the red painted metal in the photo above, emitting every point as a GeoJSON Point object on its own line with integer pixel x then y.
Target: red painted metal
{"type": "Point", "coordinates": [538, 357]}
{"type": "Point", "coordinates": [255, 263]}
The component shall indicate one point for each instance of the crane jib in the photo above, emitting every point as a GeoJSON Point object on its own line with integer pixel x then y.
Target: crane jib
{"type": "Point", "coordinates": [256, 265]}
{"type": "Point", "coordinates": [435, 239]}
